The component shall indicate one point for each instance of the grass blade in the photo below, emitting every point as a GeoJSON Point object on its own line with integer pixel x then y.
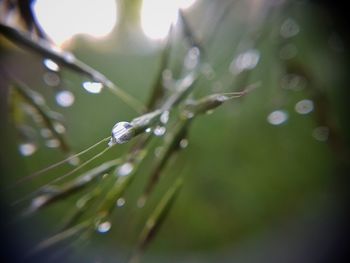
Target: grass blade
{"type": "Point", "coordinates": [156, 219]}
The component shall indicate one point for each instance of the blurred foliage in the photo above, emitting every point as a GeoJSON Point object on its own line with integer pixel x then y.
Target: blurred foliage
{"type": "Point", "coordinates": [252, 191]}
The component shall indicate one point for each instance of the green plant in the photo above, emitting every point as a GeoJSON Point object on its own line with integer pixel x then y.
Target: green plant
{"type": "Point", "coordinates": [162, 124]}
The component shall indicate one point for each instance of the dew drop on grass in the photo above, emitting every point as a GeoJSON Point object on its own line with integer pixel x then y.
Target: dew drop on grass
{"type": "Point", "coordinates": [183, 143]}
{"type": "Point", "coordinates": [159, 131]}
{"type": "Point", "coordinates": [27, 148]}
{"type": "Point", "coordinates": [52, 143]}
{"type": "Point", "coordinates": [51, 65]}
{"type": "Point", "coordinates": [38, 201]}
{"type": "Point", "coordinates": [192, 58]}
{"type": "Point", "coordinates": [125, 169]}
{"type": "Point", "coordinates": [65, 98]}
{"type": "Point", "coordinates": [304, 107]}
{"type": "Point", "coordinates": [122, 132]}
{"type": "Point", "coordinates": [104, 227]}
{"type": "Point", "coordinates": [74, 161]}
{"type": "Point", "coordinates": [245, 61]}
{"type": "Point", "coordinates": [121, 202]}
{"type": "Point", "coordinates": [277, 117]}
{"type": "Point", "coordinates": [164, 117]}
{"type": "Point", "coordinates": [93, 87]}
{"type": "Point", "coordinates": [59, 128]}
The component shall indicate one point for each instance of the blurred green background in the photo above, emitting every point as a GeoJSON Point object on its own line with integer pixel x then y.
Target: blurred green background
{"type": "Point", "coordinates": [253, 191]}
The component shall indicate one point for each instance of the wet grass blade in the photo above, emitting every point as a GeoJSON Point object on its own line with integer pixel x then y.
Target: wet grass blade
{"type": "Point", "coordinates": [45, 49]}
{"type": "Point", "coordinates": [171, 146]}
{"type": "Point", "coordinates": [156, 219]}
{"type": "Point", "coordinates": [46, 169]}
{"type": "Point", "coordinates": [59, 193]}
{"type": "Point", "coordinates": [38, 103]}
{"type": "Point", "coordinates": [124, 174]}
{"type": "Point", "coordinates": [60, 237]}
{"type": "Point", "coordinates": [158, 89]}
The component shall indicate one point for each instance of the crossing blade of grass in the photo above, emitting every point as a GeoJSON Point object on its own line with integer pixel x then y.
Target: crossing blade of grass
{"type": "Point", "coordinates": [50, 167]}
{"type": "Point", "coordinates": [60, 237]}
{"type": "Point", "coordinates": [155, 220]}
{"type": "Point", "coordinates": [158, 88]}
{"type": "Point", "coordinates": [124, 175]}
{"type": "Point", "coordinates": [59, 193]}
{"type": "Point", "coordinates": [170, 147]}
{"type": "Point", "coordinates": [38, 103]}
{"type": "Point", "coordinates": [47, 185]}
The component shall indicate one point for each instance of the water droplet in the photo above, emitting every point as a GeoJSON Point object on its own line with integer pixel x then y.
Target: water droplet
{"type": "Point", "coordinates": [164, 117]}
{"type": "Point", "coordinates": [104, 227]}
{"type": "Point", "coordinates": [122, 132]}
{"type": "Point", "coordinates": [27, 149]}
{"type": "Point", "coordinates": [183, 143]}
{"type": "Point", "coordinates": [159, 131]}
{"type": "Point", "coordinates": [39, 201]}
{"type": "Point", "coordinates": [52, 79]}
{"type": "Point", "coordinates": [46, 133]}
{"type": "Point", "coordinates": [289, 28]}
{"type": "Point", "coordinates": [189, 114]}
{"type": "Point", "coordinates": [245, 61]}
{"type": "Point", "coordinates": [120, 202]}
{"type": "Point", "coordinates": [288, 51]}
{"type": "Point", "coordinates": [186, 81]}
{"type": "Point", "coordinates": [53, 143]}
{"type": "Point", "coordinates": [293, 82]}
{"type": "Point", "coordinates": [93, 87]}
{"type": "Point", "coordinates": [277, 117]}
{"type": "Point", "coordinates": [51, 65]}
{"type": "Point", "coordinates": [65, 98]}
{"type": "Point", "coordinates": [74, 160]}
{"type": "Point", "coordinates": [321, 133]}
{"type": "Point", "coordinates": [304, 106]}
{"type": "Point", "coordinates": [192, 58]}
{"type": "Point", "coordinates": [68, 56]}
{"type": "Point", "coordinates": [148, 130]}
{"type": "Point", "coordinates": [59, 128]}
{"type": "Point", "coordinates": [125, 169]}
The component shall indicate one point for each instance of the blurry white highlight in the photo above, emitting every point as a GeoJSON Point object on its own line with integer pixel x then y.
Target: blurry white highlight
{"type": "Point", "coordinates": [61, 20]}
{"type": "Point", "coordinates": [158, 15]}
{"type": "Point", "coordinates": [277, 117]}
{"type": "Point", "coordinates": [65, 98]}
{"type": "Point", "coordinates": [93, 87]}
